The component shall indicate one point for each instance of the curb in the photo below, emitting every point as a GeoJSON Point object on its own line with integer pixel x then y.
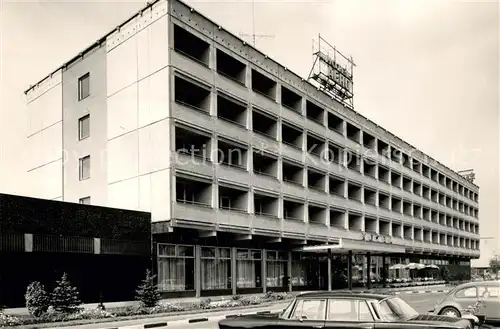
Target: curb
{"type": "Point", "coordinates": [165, 324]}
{"type": "Point", "coordinates": [421, 292]}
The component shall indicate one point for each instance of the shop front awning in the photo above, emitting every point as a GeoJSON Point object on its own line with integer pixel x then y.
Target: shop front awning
{"type": "Point", "coordinates": [344, 245]}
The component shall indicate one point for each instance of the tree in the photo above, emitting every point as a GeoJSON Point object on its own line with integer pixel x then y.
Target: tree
{"type": "Point", "coordinates": [495, 265]}
{"type": "Point", "coordinates": [147, 292]}
{"type": "Point", "coordinates": [65, 298]}
{"type": "Point", "coordinates": [445, 273]}
{"type": "Point", "coordinates": [37, 299]}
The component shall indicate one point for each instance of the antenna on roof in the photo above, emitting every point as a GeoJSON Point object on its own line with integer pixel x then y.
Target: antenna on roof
{"type": "Point", "coordinates": [253, 35]}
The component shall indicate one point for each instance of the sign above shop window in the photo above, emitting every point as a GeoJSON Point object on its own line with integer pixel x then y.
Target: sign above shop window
{"type": "Point", "coordinates": [372, 237]}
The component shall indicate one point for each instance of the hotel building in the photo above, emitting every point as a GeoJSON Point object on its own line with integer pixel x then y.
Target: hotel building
{"type": "Point", "coordinates": [254, 178]}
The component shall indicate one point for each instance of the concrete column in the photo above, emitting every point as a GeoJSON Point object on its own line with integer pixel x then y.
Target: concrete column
{"type": "Point", "coordinates": [349, 269]}
{"type": "Point", "coordinates": [197, 270]}
{"type": "Point", "coordinates": [306, 213]}
{"type": "Point", "coordinates": [346, 220]}
{"type": "Point", "coordinates": [213, 104]}
{"type": "Point", "coordinates": [327, 217]}
{"type": "Point", "coordinates": [215, 195]}
{"type": "Point", "coordinates": [264, 270]}
{"type": "Point", "coordinates": [248, 77]}
{"type": "Point", "coordinates": [344, 128]}
{"type": "Point", "coordinates": [303, 106]}
{"type": "Point", "coordinates": [384, 272]}
{"type": "Point", "coordinates": [97, 246]}
{"type": "Point", "coordinates": [368, 270]}
{"type": "Point", "coordinates": [329, 266]}
{"type": "Point", "coordinates": [289, 272]}
{"type": "Point", "coordinates": [250, 201]}
{"type": "Point", "coordinates": [28, 242]}
{"type": "Point", "coordinates": [249, 124]}
{"type": "Point", "coordinates": [280, 169]}
{"type": "Point", "coordinates": [327, 184]}
{"type": "Point", "coordinates": [234, 270]}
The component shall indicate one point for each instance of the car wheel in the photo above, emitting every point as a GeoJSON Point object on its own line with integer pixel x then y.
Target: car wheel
{"type": "Point", "coordinates": [451, 312]}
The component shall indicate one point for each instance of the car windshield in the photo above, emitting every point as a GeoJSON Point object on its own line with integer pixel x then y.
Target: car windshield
{"type": "Point", "coordinates": [394, 309]}
{"type": "Point", "coordinates": [287, 310]}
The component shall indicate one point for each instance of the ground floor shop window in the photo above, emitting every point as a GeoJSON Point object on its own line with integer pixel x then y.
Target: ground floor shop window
{"type": "Point", "coordinates": [276, 268]}
{"type": "Point", "coordinates": [299, 270]}
{"type": "Point", "coordinates": [248, 268]}
{"type": "Point", "coordinates": [175, 267]}
{"type": "Point", "coordinates": [215, 268]}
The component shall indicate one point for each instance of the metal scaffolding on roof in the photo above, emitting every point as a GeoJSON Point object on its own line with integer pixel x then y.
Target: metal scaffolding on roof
{"type": "Point", "coordinates": [332, 72]}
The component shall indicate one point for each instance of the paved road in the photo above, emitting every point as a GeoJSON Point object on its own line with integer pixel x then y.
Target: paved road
{"type": "Point", "coordinates": [421, 302]}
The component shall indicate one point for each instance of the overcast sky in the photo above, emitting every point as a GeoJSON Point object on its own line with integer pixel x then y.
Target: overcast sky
{"type": "Point", "coordinates": [426, 70]}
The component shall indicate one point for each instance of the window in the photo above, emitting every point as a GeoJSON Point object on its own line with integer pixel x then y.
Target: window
{"type": "Point", "coordinates": [85, 200]}
{"type": "Point", "coordinates": [84, 127]}
{"type": "Point", "coordinates": [248, 268]}
{"type": "Point", "coordinates": [85, 167]}
{"type": "Point", "coordinates": [215, 268]}
{"type": "Point", "coordinates": [466, 293]}
{"type": "Point", "coordinates": [488, 291]}
{"type": "Point", "coordinates": [175, 267]}
{"type": "Point", "coordinates": [299, 270]}
{"type": "Point", "coordinates": [84, 86]}
{"type": "Point", "coordinates": [276, 268]}
{"type": "Point", "coordinates": [348, 310]}
{"type": "Point", "coordinates": [312, 309]}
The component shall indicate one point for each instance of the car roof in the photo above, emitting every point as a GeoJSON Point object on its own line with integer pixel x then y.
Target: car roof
{"type": "Point", "coordinates": [478, 283]}
{"type": "Point", "coordinates": [344, 294]}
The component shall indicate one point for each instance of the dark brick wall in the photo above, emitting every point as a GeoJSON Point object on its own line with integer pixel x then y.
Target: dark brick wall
{"type": "Point", "coordinates": [29, 215]}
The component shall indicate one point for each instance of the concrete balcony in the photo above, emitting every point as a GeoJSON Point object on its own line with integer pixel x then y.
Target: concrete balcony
{"type": "Point", "coordinates": [318, 231]}
{"type": "Point", "coordinates": [192, 215]}
{"type": "Point", "coordinates": [232, 131]}
{"type": "Point", "coordinates": [267, 225]}
{"type": "Point", "coordinates": [191, 116]}
{"type": "Point", "coordinates": [292, 116]}
{"type": "Point", "coordinates": [233, 220]}
{"type": "Point", "coordinates": [265, 143]}
{"type": "Point", "coordinates": [187, 65]}
{"type": "Point", "coordinates": [315, 126]}
{"type": "Point", "coordinates": [228, 85]}
{"type": "Point", "coordinates": [264, 102]}
{"type": "Point", "coordinates": [294, 227]}
{"type": "Point", "coordinates": [266, 182]}
{"type": "Point", "coordinates": [192, 164]}
{"type": "Point", "coordinates": [317, 196]}
{"type": "Point", "coordinates": [233, 174]}
{"type": "Point", "coordinates": [293, 189]}
{"type": "Point", "coordinates": [292, 153]}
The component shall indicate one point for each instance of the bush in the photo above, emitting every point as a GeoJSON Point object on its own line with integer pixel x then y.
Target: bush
{"type": "Point", "coordinates": [65, 298]}
{"type": "Point", "coordinates": [445, 274]}
{"type": "Point", "coordinates": [8, 320]}
{"type": "Point", "coordinates": [90, 314]}
{"type": "Point", "coordinates": [37, 299]}
{"type": "Point", "coordinates": [147, 293]}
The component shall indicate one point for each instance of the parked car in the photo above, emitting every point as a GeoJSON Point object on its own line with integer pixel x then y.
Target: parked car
{"type": "Point", "coordinates": [346, 310]}
{"type": "Point", "coordinates": [458, 299]}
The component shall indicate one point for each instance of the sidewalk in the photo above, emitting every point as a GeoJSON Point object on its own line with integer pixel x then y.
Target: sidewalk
{"type": "Point", "coordinates": [180, 320]}
{"type": "Point", "coordinates": [113, 305]}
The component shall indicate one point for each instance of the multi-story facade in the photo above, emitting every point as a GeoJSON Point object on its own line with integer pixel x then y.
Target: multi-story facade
{"type": "Point", "coordinates": [246, 167]}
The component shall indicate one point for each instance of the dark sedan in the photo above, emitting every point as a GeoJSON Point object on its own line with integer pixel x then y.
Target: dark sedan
{"type": "Point", "coordinates": [346, 310]}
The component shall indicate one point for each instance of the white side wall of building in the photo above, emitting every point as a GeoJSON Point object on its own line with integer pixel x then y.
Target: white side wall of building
{"type": "Point", "coordinates": [44, 165]}
{"type": "Point", "coordinates": [138, 115]}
